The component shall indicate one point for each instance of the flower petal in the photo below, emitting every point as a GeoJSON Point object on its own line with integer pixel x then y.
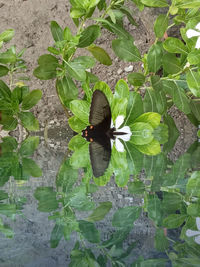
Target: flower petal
{"type": "Point", "coordinates": [198, 26]}
{"type": "Point", "coordinates": [119, 120]}
{"type": "Point", "coordinates": [112, 142]}
{"type": "Point", "coordinates": [125, 137]}
{"type": "Point", "coordinates": [125, 129]}
{"type": "Point", "coordinates": [197, 239]}
{"type": "Point", "coordinates": [198, 222]}
{"type": "Point", "coordinates": [119, 146]}
{"type": "Point", "coordinates": [112, 124]}
{"type": "Point", "coordinates": [198, 43]}
{"type": "Point", "coordinates": [191, 33]}
{"type": "Point", "coordinates": [190, 233]}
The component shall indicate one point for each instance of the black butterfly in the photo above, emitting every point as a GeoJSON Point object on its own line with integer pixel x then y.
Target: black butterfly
{"type": "Point", "coordinates": [99, 133]}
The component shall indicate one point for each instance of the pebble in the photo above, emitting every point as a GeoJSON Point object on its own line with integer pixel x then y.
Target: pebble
{"type": "Point", "coordinates": [119, 71]}
{"type": "Point", "coordinates": [129, 68]}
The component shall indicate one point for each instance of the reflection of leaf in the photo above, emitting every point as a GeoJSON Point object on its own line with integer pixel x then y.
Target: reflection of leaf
{"type": "Point", "coordinates": [174, 220]}
{"type": "Point", "coordinates": [29, 145]}
{"type": "Point", "coordinates": [173, 133]}
{"type": "Point", "coordinates": [154, 209]}
{"type": "Point", "coordinates": [193, 185]}
{"type": "Point", "coordinates": [134, 107]}
{"type": "Point", "coordinates": [80, 201]}
{"type": "Point", "coordinates": [150, 117]}
{"type": "Point", "coordinates": [80, 158]}
{"type": "Point", "coordinates": [125, 217]}
{"type": "Point", "coordinates": [31, 168]}
{"type": "Point", "coordinates": [47, 199]}
{"type": "Point", "coordinates": [8, 209]}
{"type": "Point", "coordinates": [89, 231]}
{"type": "Point", "coordinates": [100, 212]}
{"type": "Point", "coordinates": [66, 176]}
{"type": "Point", "coordinates": [161, 241]}
{"type": "Point", "coordinates": [56, 235]}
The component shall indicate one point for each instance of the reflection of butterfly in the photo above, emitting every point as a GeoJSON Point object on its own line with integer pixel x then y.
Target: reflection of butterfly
{"type": "Point", "coordinates": [99, 133]}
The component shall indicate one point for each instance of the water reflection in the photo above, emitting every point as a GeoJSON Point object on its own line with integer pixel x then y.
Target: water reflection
{"type": "Point", "coordinates": [128, 222]}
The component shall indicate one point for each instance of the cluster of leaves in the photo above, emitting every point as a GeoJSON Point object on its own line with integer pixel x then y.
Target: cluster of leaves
{"type": "Point", "coordinates": [175, 61]}
{"type": "Point", "coordinates": [15, 162]}
{"type": "Point", "coordinates": [15, 102]}
{"type": "Point", "coordinates": [147, 132]}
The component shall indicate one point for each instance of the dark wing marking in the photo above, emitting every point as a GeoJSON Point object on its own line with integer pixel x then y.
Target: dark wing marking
{"type": "Point", "coordinates": [100, 110]}
{"type": "Point", "coordinates": [100, 154]}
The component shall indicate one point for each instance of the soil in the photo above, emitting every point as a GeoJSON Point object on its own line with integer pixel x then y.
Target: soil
{"type": "Point", "coordinates": [31, 22]}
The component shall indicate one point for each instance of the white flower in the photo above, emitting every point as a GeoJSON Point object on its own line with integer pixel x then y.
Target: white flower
{"type": "Point", "coordinates": [192, 33]}
{"type": "Point", "coordinates": [125, 137]}
{"type": "Point", "coordinates": [190, 232]}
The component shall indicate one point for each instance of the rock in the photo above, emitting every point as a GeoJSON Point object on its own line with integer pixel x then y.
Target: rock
{"type": "Point", "coordinates": [129, 68]}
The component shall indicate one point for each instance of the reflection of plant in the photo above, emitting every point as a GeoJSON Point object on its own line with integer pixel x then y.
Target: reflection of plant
{"type": "Point", "coordinates": [15, 103]}
{"type": "Point", "coordinates": [15, 162]}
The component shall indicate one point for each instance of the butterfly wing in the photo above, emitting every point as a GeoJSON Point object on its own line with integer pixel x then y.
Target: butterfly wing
{"type": "Point", "coordinates": [100, 154]}
{"type": "Point", "coordinates": [100, 110]}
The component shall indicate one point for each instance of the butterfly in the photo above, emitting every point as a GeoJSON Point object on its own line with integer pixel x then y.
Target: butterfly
{"type": "Point", "coordinates": [100, 133]}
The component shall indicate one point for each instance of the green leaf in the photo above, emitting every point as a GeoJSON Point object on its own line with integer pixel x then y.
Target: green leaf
{"type": "Point", "coordinates": [81, 110]}
{"type": "Point", "coordinates": [126, 216]}
{"type": "Point", "coordinates": [3, 70]}
{"type": "Point", "coordinates": [152, 148]}
{"type": "Point", "coordinates": [136, 187]}
{"type": "Point", "coordinates": [194, 57]}
{"type": "Point", "coordinates": [67, 90]}
{"type": "Point", "coordinates": [126, 50]}
{"type": "Point", "coordinates": [9, 122]}
{"type": "Point", "coordinates": [121, 89]}
{"type": "Point", "coordinates": [31, 99]}
{"type": "Point", "coordinates": [89, 35]}
{"type": "Point", "coordinates": [154, 57]}
{"type": "Point", "coordinates": [193, 185]}
{"type": "Point", "coordinates": [20, 92]}
{"type": "Point", "coordinates": [9, 144]}
{"type": "Point", "coordinates": [7, 35]}
{"type": "Point", "coordinates": [47, 199]}
{"type": "Point", "coordinates": [174, 220]}
{"type": "Point", "coordinates": [85, 62]}
{"type": "Point", "coordinates": [29, 121]}
{"type": "Point", "coordinates": [193, 81]}
{"type": "Point", "coordinates": [56, 31]}
{"type": "Point", "coordinates": [126, 11]}
{"type": "Point", "coordinates": [45, 72]}
{"type": "Point", "coordinates": [81, 202]}
{"type": "Point", "coordinates": [47, 67]}
{"type": "Point", "coordinates": [76, 71]}
{"type": "Point", "coordinates": [89, 231]}
{"type": "Point", "coordinates": [195, 107]}
{"type": "Point", "coordinates": [171, 202]}
{"type": "Point", "coordinates": [100, 212]}
{"type": "Point", "coordinates": [142, 133]}
{"type": "Point", "coordinates": [8, 209]}
{"type": "Point", "coordinates": [8, 57]}
{"type": "Point", "coordinates": [160, 25]}
{"type": "Point", "coordinates": [31, 168]}
{"type": "Point", "coordinates": [5, 91]}
{"type": "Point", "coordinates": [171, 63]}
{"type": "Point", "coordinates": [136, 78]}
{"type": "Point", "coordinates": [76, 13]}
{"type": "Point", "coordinates": [175, 45]}
{"type": "Point", "coordinates": [134, 108]}
{"type": "Point", "coordinates": [76, 142]}
{"type": "Point", "coordinates": [56, 235]}
{"type": "Point", "coordinates": [155, 3]}
{"type": "Point", "coordinates": [29, 145]}
{"type": "Point", "coordinates": [76, 124]}
{"type": "Point", "coordinates": [161, 241]}
{"type": "Point", "coordinates": [117, 29]}
{"type": "Point", "coordinates": [161, 133]}
{"type": "Point", "coordinates": [100, 54]}
{"type": "Point", "coordinates": [150, 117]}
{"type": "Point", "coordinates": [188, 3]}
{"type": "Point", "coordinates": [80, 158]}
{"type": "Point", "coordinates": [150, 101]}
{"type": "Point", "coordinates": [154, 209]}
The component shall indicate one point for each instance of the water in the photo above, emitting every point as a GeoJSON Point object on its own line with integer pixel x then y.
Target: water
{"type": "Point", "coordinates": [139, 217]}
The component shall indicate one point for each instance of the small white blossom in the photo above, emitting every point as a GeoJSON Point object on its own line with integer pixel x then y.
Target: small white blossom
{"type": "Point", "coordinates": [192, 33]}
{"type": "Point", "coordinates": [190, 232]}
{"type": "Point", "coordinates": [125, 137]}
